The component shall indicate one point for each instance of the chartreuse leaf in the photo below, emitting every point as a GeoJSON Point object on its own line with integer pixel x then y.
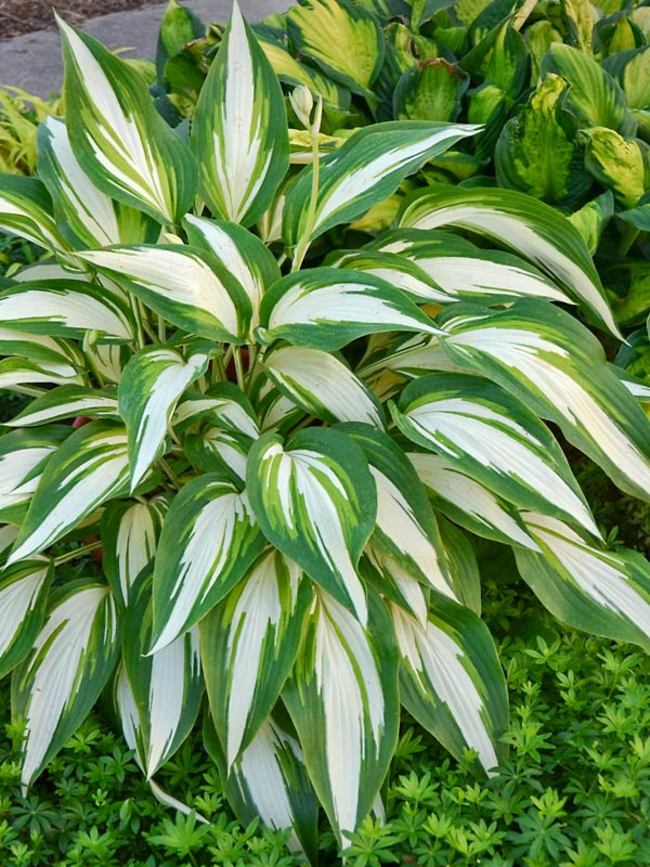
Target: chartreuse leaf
{"type": "Point", "coordinates": [617, 163]}
{"type": "Point", "coordinates": [248, 647]}
{"type": "Point", "coordinates": [59, 682]}
{"type": "Point", "coordinates": [468, 502]}
{"type": "Point", "coordinates": [365, 170]}
{"type": "Point", "coordinates": [150, 385]}
{"type": "Point", "coordinates": [121, 142]}
{"type": "Point", "coordinates": [430, 91]}
{"type": "Point", "coordinates": [89, 468]}
{"type": "Point", "coordinates": [451, 680]}
{"type": "Point", "coordinates": [23, 457]}
{"type": "Point", "coordinates": [26, 211]}
{"type": "Point", "coordinates": [328, 307]}
{"type": "Point", "coordinates": [532, 228]}
{"type": "Point", "coordinates": [586, 586]}
{"type": "Point", "coordinates": [494, 439]}
{"type": "Point", "coordinates": [64, 308]}
{"type": "Point", "coordinates": [343, 39]}
{"type": "Point", "coordinates": [23, 598]}
{"type": "Point", "coordinates": [322, 385]}
{"type": "Point", "coordinates": [551, 362]}
{"type": "Point", "coordinates": [66, 401]}
{"type": "Point", "coordinates": [167, 686]}
{"type": "Point", "coordinates": [240, 252]}
{"type": "Point", "coordinates": [92, 216]}
{"type": "Point", "coordinates": [343, 700]}
{"type": "Point", "coordinates": [208, 540]}
{"type": "Point", "coordinates": [405, 526]}
{"type": "Point", "coordinates": [180, 283]}
{"type": "Point", "coordinates": [239, 131]}
{"type": "Point", "coordinates": [270, 783]}
{"type": "Point", "coordinates": [315, 500]}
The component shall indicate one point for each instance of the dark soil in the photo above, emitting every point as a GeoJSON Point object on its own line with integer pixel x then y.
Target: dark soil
{"type": "Point", "coordinates": [25, 16]}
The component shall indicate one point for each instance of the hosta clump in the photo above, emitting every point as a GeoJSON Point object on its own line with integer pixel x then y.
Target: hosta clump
{"type": "Point", "coordinates": [289, 446]}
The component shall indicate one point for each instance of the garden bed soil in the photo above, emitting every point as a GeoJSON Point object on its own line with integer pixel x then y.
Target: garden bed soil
{"type": "Point", "coordinates": [26, 16]}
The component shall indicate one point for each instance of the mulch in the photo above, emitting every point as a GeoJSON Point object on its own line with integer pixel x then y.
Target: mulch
{"type": "Point", "coordinates": [25, 16]}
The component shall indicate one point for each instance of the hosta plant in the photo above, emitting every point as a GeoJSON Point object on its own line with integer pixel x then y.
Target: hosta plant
{"type": "Point", "coordinates": [284, 441]}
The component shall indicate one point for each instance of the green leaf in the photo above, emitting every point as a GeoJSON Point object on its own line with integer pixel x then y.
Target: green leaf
{"type": "Point", "coordinates": [23, 597]}
{"type": "Point", "coordinates": [343, 700]}
{"type": "Point", "coordinates": [129, 533]}
{"type": "Point", "coordinates": [208, 541]}
{"type": "Point", "coordinates": [70, 663]}
{"type": "Point", "coordinates": [493, 438]}
{"type": "Point", "coordinates": [119, 139]}
{"type": "Point", "coordinates": [365, 170]}
{"type": "Point", "coordinates": [23, 457]}
{"type": "Point", "coordinates": [315, 500]}
{"type": "Point", "coordinates": [26, 211]}
{"type": "Point", "coordinates": [587, 586]}
{"type": "Point", "coordinates": [432, 90]}
{"type": "Point", "coordinates": [65, 402]}
{"type": "Point", "coordinates": [328, 307]}
{"type": "Point", "coordinates": [89, 468]}
{"type": "Point", "coordinates": [591, 219]}
{"type": "Point", "coordinates": [239, 131]}
{"type": "Point", "coordinates": [552, 363]}
{"type": "Point", "coordinates": [249, 644]}
{"type": "Point", "coordinates": [532, 228]}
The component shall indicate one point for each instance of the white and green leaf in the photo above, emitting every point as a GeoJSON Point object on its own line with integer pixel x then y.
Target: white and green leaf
{"type": "Point", "coordinates": [23, 598]}
{"type": "Point", "coordinates": [23, 457]}
{"type": "Point", "coordinates": [129, 533]}
{"type": "Point", "coordinates": [64, 402]}
{"type": "Point", "coordinates": [26, 211]}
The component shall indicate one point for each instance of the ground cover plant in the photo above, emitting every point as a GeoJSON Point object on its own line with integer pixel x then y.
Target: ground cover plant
{"type": "Point", "coordinates": [295, 427]}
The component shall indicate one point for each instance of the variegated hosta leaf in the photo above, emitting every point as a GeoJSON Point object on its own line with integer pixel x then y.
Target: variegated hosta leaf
{"type": "Point", "coordinates": [240, 252]}
{"type": "Point", "coordinates": [239, 130]}
{"type": "Point", "coordinates": [248, 646]}
{"type": "Point", "coordinates": [322, 385]}
{"type": "Point", "coordinates": [23, 597]}
{"type": "Point", "coordinates": [93, 217]}
{"type": "Point", "coordinates": [315, 500]}
{"type": "Point", "coordinates": [393, 581]}
{"type": "Point", "coordinates": [8, 533]}
{"type": "Point", "coordinates": [365, 170]}
{"type": "Point", "coordinates": [396, 270]}
{"type": "Point", "coordinates": [585, 585]}
{"type": "Point", "coordinates": [186, 287]}
{"type": "Point", "coordinates": [26, 211]}
{"type": "Point", "coordinates": [89, 468]}
{"type": "Point", "coordinates": [214, 450]}
{"type": "Point", "coordinates": [405, 526]}
{"type": "Point", "coordinates": [343, 700]}
{"type": "Point", "coordinates": [329, 307]}
{"type": "Point", "coordinates": [224, 404]}
{"type": "Point", "coordinates": [451, 679]}
{"type": "Point", "coordinates": [462, 564]}
{"type": "Point", "coordinates": [548, 360]}
{"type": "Point", "coordinates": [64, 308]}
{"type": "Point", "coordinates": [19, 374]}
{"type": "Point", "coordinates": [129, 536]}
{"type": "Point", "coordinates": [121, 142]}
{"type": "Point", "coordinates": [468, 502]}
{"type": "Point", "coordinates": [494, 439]}
{"type": "Point", "coordinates": [167, 686]}
{"type": "Point", "coordinates": [70, 663]}
{"type": "Point", "coordinates": [269, 782]}
{"type": "Point", "coordinates": [66, 401]}
{"type": "Point", "coordinates": [150, 385]}
{"type": "Point", "coordinates": [208, 540]}
{"type": "Point", "coordinates": [409, 355]}
{"type": "Point", "coordinates": [529, 226]}
{"type": "Point", "coordinates": [39, 347]}
{"type": "Point", "coordinates": [23, 457]}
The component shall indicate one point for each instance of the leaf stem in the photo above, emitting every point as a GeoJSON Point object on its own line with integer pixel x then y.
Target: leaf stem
{"type": "Point", "coordinates": [78, 552]}
{"type": "Point", "coordinates": [239, 368]}
{"type": "Point", "coordinates": [305, 240]}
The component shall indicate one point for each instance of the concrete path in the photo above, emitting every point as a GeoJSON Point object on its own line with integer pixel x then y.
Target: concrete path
{"type": "Point", "coordinates": [33, 61]}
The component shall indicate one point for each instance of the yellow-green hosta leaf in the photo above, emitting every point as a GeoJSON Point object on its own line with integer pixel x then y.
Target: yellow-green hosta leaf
{"type": "Point", "coordinates": [186, 286]}
{"type": "Point", "coordinates": [315, 500]}
{"type": "Point", "coordinates": [533, 229]}
{"type": "Point", "coordinates": [365, 170]}
{"type": "Point", "coordinates": [208, 540]}
{"type": "Point", "coordinates": [343, 39]}
{"type": "Point", "coordinates": [249, 644]}
{"type": "Point", "coordinates": [343, 700]}
{"type": "Point", "coordinates": [26, 211]}
{"type": "Point", "coordinates": [90, 467]}
{"type": "Point", "coordinates": [322, 385]}
{"type": "Point", "coordinates": [23, 596]}
{"type": "Point", "coordinates": [328, 307]}
{"type": "Point", "coordinates": [64, 402]}
{"type": "Point", "coordinates": [239, 130]}
{"type": "Point", "coordinates": [23, 457]}
{"type": "Point", "coordinates": [585, 585]}
{"type": "Point", "coordinates": [552, 363]}
{"type": "Point", "coordinates": [451, 679]}
{"type": "Point", "coordinates": [149, 388]}
{"type": "Point", "coordinates": [59, 682]}
{"type": "Point", "coordinates": [494, 439]}
{"type": "Point", "coordinates": [617, 163]}
{"type": "Point", "coordinates": [119, 139]}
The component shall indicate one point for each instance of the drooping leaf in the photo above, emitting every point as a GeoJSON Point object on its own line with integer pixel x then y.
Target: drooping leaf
{"type": "Point", "coordinates": [23, 457]}
{"type": "Point", "coordinates": [66, 401]}
{"type": "Point", "coordinates": [26, 211]}
{"type": "Point", "coordinates": [129, 533]}
{"type": "Point", "coordinates": [23, 599]}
